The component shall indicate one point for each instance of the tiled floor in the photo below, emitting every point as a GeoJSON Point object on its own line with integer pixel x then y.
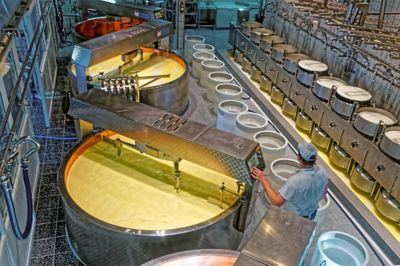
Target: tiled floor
{"type": "Point", "coordinates": [50, 246]}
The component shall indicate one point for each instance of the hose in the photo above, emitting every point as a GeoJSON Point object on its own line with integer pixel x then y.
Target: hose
{"type": "Point", "coordinates": [6, 188]}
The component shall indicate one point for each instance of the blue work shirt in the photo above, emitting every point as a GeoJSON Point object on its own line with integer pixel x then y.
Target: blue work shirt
{"type": "Point", "coordinates": [304, 190]}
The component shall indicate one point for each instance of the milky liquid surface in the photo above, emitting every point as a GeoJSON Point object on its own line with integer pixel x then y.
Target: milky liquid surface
{"type": "Point", "coordinates": [133, 191]}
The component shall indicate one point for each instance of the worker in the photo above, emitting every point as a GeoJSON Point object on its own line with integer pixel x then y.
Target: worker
{"type": "Point", "coordinates": [304, 189]}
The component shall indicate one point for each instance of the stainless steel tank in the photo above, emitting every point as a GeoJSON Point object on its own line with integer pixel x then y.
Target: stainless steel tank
{"type": "Point", "coordinates": [266, 42]}
{"type": "Point", "coordinates": [390, 142]}
{"type": "Point", "coordinates": [98, 242]}
{"type": "Point", "coordinates": [347, 98]}
{"type": "Point", "coordinates": [291, 60]}
{"type": "Point", "coordinates": [279, 51]}
{"type": "Point", "coordinates": [170, 96]}
{"type": "Point", "coordinates": [309, 70]}
{"type": "Point", "coordinates": [257, 33]}
{"type": "Point", "coordinates": [370, 120]}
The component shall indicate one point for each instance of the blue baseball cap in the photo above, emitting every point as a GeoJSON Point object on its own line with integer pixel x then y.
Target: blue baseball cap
{"type": "Point", "coordinates": [307, 151]}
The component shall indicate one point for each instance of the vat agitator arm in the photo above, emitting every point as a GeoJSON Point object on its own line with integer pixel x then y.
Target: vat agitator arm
{"type": "Point", "coordinates": [143, 148]}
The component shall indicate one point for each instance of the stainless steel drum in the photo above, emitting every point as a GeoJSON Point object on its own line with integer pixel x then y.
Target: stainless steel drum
{"type": "Point", "coordinates": [169, 93]}
{"type": "Point", "coordinates": [199, 257]}
{"type": "Point", "coordinates": [289, 108]}
{"type": "Point", "coordinates": [267, 42]}
{"type": "Point", "coordinates": [390, 142]}
{"type": "Point", "coordinates": [304, 122]}
{"type": "Point", "coordinates": [324, 87]}
{"type": "Point", "coordinates": [277, 95]}
{"type": "Point", "coordinates": [248, 26]}
{"type": "Point", "coordinates": [370, 120]}
{"type": "Point", "coordinates": [124, 210]}
{"type": "Point", "coordinates": [238, 56]}
{"type": "Point", "coordinates": [320, 138]}
{"type": "Point", "coordinates": [361, 179]}
{"type": "Point", "coordinates": [258, 33]}
{"type": "Point", "coordinates": [309, 70]}
{"type": "Point", "coordinates": [339, 157]}
{"type": "Point", "coordinates": [265, 84]}
{"type": "Point", "coordinates": [346, 98]}
{"type": "Point", "coordinates": [246, 66]}
{"type": "Point", "coordinates": [279, 51]}
{"type": "Point", "coordinates": [388, 206]}
{"type": "Point", "coordinates": [291, 60]}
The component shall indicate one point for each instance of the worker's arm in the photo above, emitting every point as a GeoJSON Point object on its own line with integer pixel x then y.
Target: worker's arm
{"type": "Point", "coordinates": [275, 198]}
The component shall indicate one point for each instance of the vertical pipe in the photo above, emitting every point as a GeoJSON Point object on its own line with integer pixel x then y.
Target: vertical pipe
{"type": "Point", "coordinates": [381, 14]}
{"type": "Point", "coordinates": [260, 10]}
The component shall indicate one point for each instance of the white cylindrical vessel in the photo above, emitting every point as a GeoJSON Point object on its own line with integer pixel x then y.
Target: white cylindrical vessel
{"type": "Point", "coordinates": [248, 124]}
{"type": "Point", "coordinates": [196, 63]}
{"type": "Point", "coordinates": [281, 170]}
{"type": "Point", "coordinates": [336, 248]}
{"type": "Point", "coordinates": [203, 47]}
{"type": "Point", "coordinates": [214, 79]}
{"type": "Point", "coordinates": [226, 91]}
{"type": "Point", "coordinates": [228, 110]}
{"type": "Point", "coordinates": [273, 146]}
{"type": "Point", "coordinates": [208, 66]}
{"type": "Point", "coordinates": [191, 40]}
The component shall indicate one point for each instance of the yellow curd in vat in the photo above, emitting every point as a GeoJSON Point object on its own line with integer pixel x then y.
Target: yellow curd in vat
{"type": "Point", "coordinates": [137, 191]}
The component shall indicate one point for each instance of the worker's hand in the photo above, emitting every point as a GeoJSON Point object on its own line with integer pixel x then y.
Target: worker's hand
{"type": "Point", "coordinates": [257, 174]}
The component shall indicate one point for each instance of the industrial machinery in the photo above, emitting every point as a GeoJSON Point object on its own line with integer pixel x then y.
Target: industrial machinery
{"type": "Point", "coordinates": [201, 186]}
{"type": "Point", "coordinates": [115, 57]}
{"type": "Point", "coordinates": [341, 119]}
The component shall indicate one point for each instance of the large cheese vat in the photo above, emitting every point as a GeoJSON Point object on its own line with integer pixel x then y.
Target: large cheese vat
{"type": "Point", "coordinates": [124, 210]}
{"type": "Point", "coordinates": [166, 93]}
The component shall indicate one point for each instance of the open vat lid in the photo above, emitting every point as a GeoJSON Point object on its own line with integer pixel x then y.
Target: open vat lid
{"type": "Point", "coordinates": [123, 8]}
{"type": "Point", "coordinates": [99, 49]}
{"type": "Point", "coordinates": [178, 136]}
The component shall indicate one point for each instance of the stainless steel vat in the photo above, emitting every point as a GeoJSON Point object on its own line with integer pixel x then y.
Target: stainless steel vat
{"type": "Point", "coordinates": [267, 42]}
{"type": "Point", "coordinates": [361, 179]}
{"type": "Point", "coordinates": [320, 138]}
{"type": "Point", "coordinates": [248, 26]}
{"type": "Point", "coordinates": [291, 60]}
{"type": "Point", "coordinates": [309, 70]}
{"type": "Point", "coordinates": [100, 243]}
{"type": "Point", "coordinates": [339, 157]}
{"type": "Point", "coordinates": [370, 120]}
{"type": "Point", "coordinates": [171, 97]}
{"type": "Point", "coordinates": [347, 98]}
{"type": "Point", "coordinates": [200, 257]}
{"type": "Point", "coordinates": [279, 51]}
{"type": "Point", "coordinates": [388, 206]}
{"type": "Point", "coordinates": [277, 95]}
{"type": "Point", "coordinates": [289, 108]}
{"type": "Point", "coordinates": [255, 73]}
{"type": "Point", "coordinates": [265, 84]}
{"type": "Point", "coordinates": [304, 122]}
{"type": "Point", "coordinates": [390, 142]}
{"type": "Point", "coordinates": [323, 87]}
{"type": "Point", "coordinates": [257, 33]}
